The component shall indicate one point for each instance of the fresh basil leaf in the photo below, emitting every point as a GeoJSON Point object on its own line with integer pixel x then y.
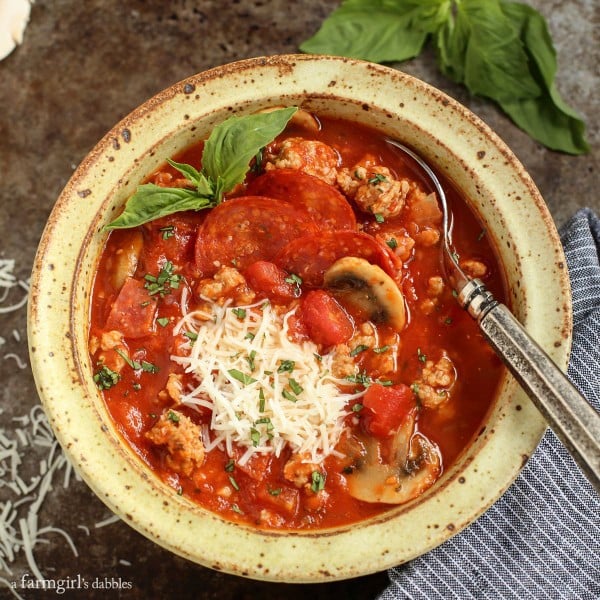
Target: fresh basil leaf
{"type": "Point", "coordinates": [451, 40]}
{"type": "Point", "coordinates": [547, 118]}
{"type": "Point", "coordinates": [235, 142]}
{"type": "Point", "coordinates": [378, 30]}
{"type": "Point", "coordinates": [188, 171]}
{"type": "Point", "coordinates": [225, 162]}
{"type": "Point", "coordinates": [492, 61]}
{"type": "Point", "coordinates": [499, 49]}
{"type": "Point", "coordinates": [203, 185]}
{"type": "Point", "coordinates": [153, 202]}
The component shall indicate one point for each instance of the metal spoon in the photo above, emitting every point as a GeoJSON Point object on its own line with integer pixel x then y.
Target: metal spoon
{"type": "Point", "coordinates": [572, 418]}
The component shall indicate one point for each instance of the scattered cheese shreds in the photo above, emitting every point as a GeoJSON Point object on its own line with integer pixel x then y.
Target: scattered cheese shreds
{"type": "Point", "coordinates": [19, 530]}
{"type": "Point", "coordinates": [8, 280]}
{"type": "Point", "coordinates": [29, 440]}
{"type": "Point", "coordinates": [264, 390]}
{"type": "Point", "coordinates": [108, 521]}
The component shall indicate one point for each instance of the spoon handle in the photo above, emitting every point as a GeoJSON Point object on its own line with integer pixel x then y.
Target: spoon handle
{"type": "Point", "coordinates": [569, 414]}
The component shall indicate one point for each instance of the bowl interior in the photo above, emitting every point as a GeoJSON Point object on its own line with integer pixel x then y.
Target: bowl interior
{"type": "Point", "coordinates": [452, 140]}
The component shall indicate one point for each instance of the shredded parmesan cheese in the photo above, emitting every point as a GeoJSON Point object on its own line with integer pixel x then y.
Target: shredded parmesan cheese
{"type": "Point", "coordinates": [31, 463]}
{"type": "Point", "coordinates": [264, 391]}
{"type": "Point", "coordinates": [19, 530]}
{"type": "Point", "coordinates": [8, 281]}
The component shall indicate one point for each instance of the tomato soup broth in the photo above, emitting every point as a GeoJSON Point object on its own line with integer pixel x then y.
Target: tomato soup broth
{"type": "Point", "coordinates": [293, 358]}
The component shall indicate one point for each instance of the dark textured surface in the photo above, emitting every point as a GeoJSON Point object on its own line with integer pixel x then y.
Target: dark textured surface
{"type": "Point", "coordinates": [82, 67]}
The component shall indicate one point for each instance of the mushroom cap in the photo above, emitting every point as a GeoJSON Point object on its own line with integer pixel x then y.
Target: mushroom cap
{"type": "Point", "coordinates": [368, 288]}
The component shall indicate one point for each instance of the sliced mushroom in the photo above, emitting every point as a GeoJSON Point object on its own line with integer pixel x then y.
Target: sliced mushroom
{"type": "Point", "coordinates": [413, 466]}
{"type": "Point", "coordinates": [126, 259]}
{"type": "Point", "coordinates": [368, 289]}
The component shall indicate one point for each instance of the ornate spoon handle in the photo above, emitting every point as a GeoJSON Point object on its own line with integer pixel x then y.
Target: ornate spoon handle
{"type": "Point", "coordinates": [569, 414]}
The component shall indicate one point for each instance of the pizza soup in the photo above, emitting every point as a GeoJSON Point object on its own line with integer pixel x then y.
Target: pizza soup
{"type": "Point", "coordinates": [289, 354]}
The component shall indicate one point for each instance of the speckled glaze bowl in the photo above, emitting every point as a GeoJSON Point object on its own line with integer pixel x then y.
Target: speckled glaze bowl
{"type": "Point", "coordinates": [445, 134]}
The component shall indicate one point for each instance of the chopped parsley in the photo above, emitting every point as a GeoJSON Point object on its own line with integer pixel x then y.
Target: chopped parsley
{"type": "Point", "coordinates": [241, 377]}
{"type": "Point", "coordinates": [360, 378]}
{"type": "Point", "coordinates": [364, 380]}
{"type": "Point", "coordinates": [250, 359]}
{"type": "Point", "coordinates": [134, 364]}
{"type": "Point", "coordinates": [167, 232]}
{"type": "Point", "coordinates": [191, 335]}
{"type": "Point", "coordinates": [381, 349]}
{"type": "Point", "coordinates": [234, 483]}
{"type": "Point", "coordinates": [286, 366]}
{"type": "Point", "coordinates": [137, 366]}
{"type": "Point", "coordinates": [294, 279]}
{"type": "Point", "coordinates": [377, 178]}
{"type": "Point", "coordinates": [229, 466]}
{"type": "Point", "coordinates": [295, 386]}
{"type": "Point", "coordinates": [255, 436]}
{"type": "Point", "coordinates": [240, 313]}
{"type": "Point", "coordinates": [317, 481]}
{"type": "Point", "coordinates": [422, 357]}
{"type": "Point", "coordinates": [289, 396]}
{"type": "Point", "coordinates": [265, 421]}
{"type": "Point", "coordinates": [164, 282]}
{"type": "Point", "coordinates": [360, 348]}
{"type": "Point", "coordinates": [379, 217]}
{"type": "Point", "coordinates": [392, 243]}
{"type": "Point", "coordinates": [163, 321]}
{"type": "Point", "coordinates": [149, 367]}
{"type": "Point", "coordinates": [105, 378]}
{"type": "Point", "coordinates": [173, 416]}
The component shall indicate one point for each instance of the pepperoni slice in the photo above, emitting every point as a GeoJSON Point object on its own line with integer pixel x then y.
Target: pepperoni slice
{"type": "Point", "coordinates": [326, 205]}
{"type": "Point", "coordinates": [311, 255]}
{"type": "Point", "coordinates": [243, 230]}
{"type": "Point", "coordinates": [131, 313]}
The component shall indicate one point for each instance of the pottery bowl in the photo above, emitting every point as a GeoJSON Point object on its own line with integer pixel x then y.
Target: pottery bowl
{"type": "Point", "coordinates": [451, 139]}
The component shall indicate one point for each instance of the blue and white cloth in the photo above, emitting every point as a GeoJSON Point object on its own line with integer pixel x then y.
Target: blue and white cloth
{"type": "Point", "coordinates": [542, 538]}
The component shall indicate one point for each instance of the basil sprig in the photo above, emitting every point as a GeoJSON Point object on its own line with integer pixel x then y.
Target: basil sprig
{"type": "Point", "coordinates": [225, 161]}
{"type": "Point", "coordinates": [498, 49]}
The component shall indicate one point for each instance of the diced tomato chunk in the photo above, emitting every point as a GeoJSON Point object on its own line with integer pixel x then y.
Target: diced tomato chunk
{"type": "Point", "coordinates": [267, 278]}
{"type": "Point", "coordinates": [325, 319]}
{"type": "Point", "coordinates": [257, 467]}
{"type": "Point", "coordinates": [386, 407]}
{"type": "Point", "coordinates": [133, 310]}
{"type": "Point", "coordinates": [280, 497]}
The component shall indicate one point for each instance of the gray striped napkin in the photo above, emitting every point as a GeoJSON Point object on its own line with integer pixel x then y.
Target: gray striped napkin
{"type": "Point", "coordinates": [542, 538]}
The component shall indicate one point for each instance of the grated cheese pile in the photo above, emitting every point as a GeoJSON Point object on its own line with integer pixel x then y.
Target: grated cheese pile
{"type": "Point", "coordinates": [264, 391]}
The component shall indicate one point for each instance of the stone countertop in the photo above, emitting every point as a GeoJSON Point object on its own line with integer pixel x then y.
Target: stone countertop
{"type": "Point", "coordinates": [81, 68]}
